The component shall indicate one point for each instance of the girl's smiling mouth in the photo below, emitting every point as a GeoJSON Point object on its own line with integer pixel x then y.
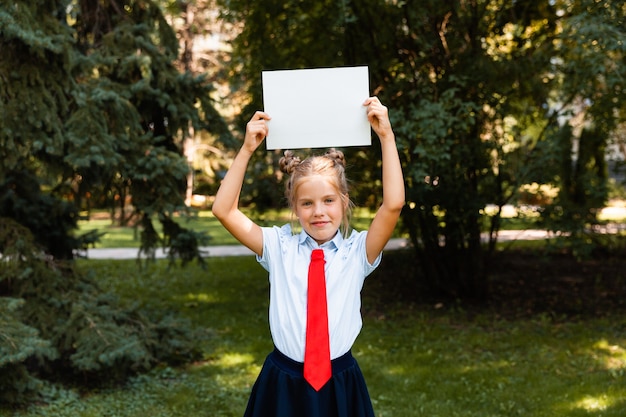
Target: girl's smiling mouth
{"type": "Point", "coordinates": [319, 223]}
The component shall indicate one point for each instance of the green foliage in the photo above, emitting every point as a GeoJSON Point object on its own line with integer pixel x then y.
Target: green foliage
{"type": "Point", "coordinates": [182, 243]}
{"type": "Point", "coordinates": [475, 91]}
{"type": "Point", "coordinates": [591, 77]}
{"type": "Point", "coordinates": [19, 344]}
{"type": "Point", "coordinates": [68, 328]}
{"type": "Point", "coordinates": [34, 88]}
{"type": "Point", "coordinates": [94, 107]}
{"type": "Point", "coordinates": [22, 199]}
{"type": "Point", "coordinates": [584, 188]}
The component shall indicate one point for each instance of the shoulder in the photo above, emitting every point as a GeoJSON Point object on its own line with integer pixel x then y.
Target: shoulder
{"type": "Point", "coordinates": [354, 246]}
{"type": "Point", "coordinates": [355, 238]}
{"type": "Point", "coordinates": [276, 240]}
{"type": "Point", "coordinates": [278, 234]}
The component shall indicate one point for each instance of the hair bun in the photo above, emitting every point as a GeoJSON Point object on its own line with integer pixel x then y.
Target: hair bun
{"type": "Point", "coordinates": [336, 156]}
{"type": "Point", "coordinates": [289, 162]}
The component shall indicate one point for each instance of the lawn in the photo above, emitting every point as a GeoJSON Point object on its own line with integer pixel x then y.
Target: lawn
{"type": "Point", "coordinates": [201, 221]}
{"type": "Point", "coordinates": [116, 236]}
{"type": "Point", "coordinates": [418, 359]}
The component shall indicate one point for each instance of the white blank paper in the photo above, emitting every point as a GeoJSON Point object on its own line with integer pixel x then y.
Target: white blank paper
{"type": "Point", "coordinates": [316, 108]}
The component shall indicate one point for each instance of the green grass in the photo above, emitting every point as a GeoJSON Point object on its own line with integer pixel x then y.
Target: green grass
{"type": "Point", "coordinates": [417, 360]}
{"type": "Point", "coordinates": [128, 236]}
{"type": "Point", "coordinates": [202, 221]}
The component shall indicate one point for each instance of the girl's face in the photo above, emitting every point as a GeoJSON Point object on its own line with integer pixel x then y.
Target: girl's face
{"type": "Point", "coordinates": [319, 208]}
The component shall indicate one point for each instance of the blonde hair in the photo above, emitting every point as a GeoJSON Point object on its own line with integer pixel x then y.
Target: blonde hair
{"type": "Point", "coordinates": [331, 165]}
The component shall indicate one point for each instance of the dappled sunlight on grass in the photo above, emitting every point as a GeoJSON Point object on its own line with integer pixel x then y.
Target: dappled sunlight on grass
{"type": "Point", "coordinates": [616, 353]}
{"type": "Point", "coordinates": [593, 403]}
{"type": "Point", "coordinates": [235, 359]}
{"type": "Point", "coordinates": [452, 367]}
{"type": "Point", "coordinates": [231, 370]}
{"type": "Point", "coordinates": [204, 213]}
{"type": "Point", "coordinates": [612, 357]}
{"type": "Point", "coordinates": [417, 362]}
{"type": "Point", "coordinates": [192, 299]}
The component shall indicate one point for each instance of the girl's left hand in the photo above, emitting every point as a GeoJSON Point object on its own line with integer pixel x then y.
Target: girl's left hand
{"type": "Point", "coordinates": [378, 116]}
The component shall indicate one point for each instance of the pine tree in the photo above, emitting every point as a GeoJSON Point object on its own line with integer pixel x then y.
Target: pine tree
{"type": "Point", "coordinates": [91, 105]}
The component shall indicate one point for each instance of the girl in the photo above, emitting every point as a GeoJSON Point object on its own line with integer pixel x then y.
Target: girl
{"type": "Point", "coordinates": [317, 192]}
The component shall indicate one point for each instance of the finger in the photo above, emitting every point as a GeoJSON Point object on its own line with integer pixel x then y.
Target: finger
{"type": "Point", "coordinates": [258, 120]}
{"type": "Point", "coordinates": [259, 131]}
{"type": "Point", "coordinates": [370, 100]}
{"type": "Point", "coordinates": [260, 115]}
{"type": "Point", "coordinates": [257, 127]}
{"type": "Point", "coordinates": [375, 112]}
{"type": "Point", "coordinates": [377, 108]}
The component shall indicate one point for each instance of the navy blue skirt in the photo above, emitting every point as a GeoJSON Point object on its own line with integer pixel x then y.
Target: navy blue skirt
{"type": "Point", "coordinates": [281, 391]}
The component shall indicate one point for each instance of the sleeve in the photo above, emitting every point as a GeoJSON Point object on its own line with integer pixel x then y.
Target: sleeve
{"type": "Point", "coordinates": [369, 268]}
{"type": "Point", "coordinates": [356, 250]}
{"type": "Point", "coordinates": [273, 239]}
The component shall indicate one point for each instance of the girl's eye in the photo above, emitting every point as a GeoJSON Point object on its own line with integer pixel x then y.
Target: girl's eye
{"type": "Point", "coordinates": [330, 200]}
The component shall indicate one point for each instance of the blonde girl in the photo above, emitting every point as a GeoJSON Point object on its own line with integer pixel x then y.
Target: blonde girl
{"type": "Point", "coordinates": [317, 193]}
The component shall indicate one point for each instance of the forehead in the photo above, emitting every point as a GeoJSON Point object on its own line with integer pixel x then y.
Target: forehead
{"type": "Point", "coordinates": [316, 185]}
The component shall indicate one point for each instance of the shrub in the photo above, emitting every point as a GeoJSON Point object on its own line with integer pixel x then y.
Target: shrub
{"type": "Point", "coordinates": [58, 325]}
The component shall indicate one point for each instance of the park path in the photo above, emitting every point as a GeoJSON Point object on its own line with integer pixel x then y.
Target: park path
{"type": "Point", "coordinates": [238, 250]}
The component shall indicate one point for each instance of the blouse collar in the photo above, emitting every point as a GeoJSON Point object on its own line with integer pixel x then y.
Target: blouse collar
{"type": "Point", "coordinates": [333, 244]}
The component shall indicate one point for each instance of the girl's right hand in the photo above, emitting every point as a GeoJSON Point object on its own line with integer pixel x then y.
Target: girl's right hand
{"type": "Point", "coordinates": [256, 130]}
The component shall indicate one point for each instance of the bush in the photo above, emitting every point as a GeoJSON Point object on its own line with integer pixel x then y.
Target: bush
{"type": "Point", "coordinates": [19, 343]}
{"type": "Point", "coordinates": [58, 325]}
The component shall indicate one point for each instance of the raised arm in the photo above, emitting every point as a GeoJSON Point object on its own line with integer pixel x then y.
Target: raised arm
{"type": "Point", "coordinates": [226, 204]}
{"type": "Point", "coordinates": [388, 213]}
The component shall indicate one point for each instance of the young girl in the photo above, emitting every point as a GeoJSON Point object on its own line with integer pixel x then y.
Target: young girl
{"type": "Point", "coordinates": [317, 192]}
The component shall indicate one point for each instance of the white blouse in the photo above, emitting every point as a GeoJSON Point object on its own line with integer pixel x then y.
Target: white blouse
{"type": "Point", "coordinates": [286, 257]}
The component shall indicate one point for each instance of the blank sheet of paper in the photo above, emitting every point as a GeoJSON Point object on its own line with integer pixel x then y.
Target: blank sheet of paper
{"type": "Point", "coordinates": [316, 108]}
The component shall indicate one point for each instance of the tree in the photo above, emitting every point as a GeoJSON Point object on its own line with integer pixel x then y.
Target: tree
{"type": "Point", "coordinates": [476, 89]}
{"type": "Point", "coordinates": [57, 325]}
{"type": "Point", "coordinates": [476, 80]}
{"type": "Point", "coordinates": [107, 109]}
{"type": "Point", "coordinates": [203, 50]}
{"type": "Point", "coordinates": [92, 107]}
{"type": "Point", "coordinates": [590, 73]}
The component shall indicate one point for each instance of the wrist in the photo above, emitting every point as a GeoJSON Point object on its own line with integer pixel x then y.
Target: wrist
{"type": "Point", "coordinates": [246, 152]}
{"type": "Point", "coordinates": [387, 137]}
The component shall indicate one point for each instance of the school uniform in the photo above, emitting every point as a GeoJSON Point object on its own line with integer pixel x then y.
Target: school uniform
{"type": "Point", "coordinates": [281, 390]}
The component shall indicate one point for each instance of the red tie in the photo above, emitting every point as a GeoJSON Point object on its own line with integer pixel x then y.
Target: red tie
{"type": "Point", "coordinates": [317, 370]}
